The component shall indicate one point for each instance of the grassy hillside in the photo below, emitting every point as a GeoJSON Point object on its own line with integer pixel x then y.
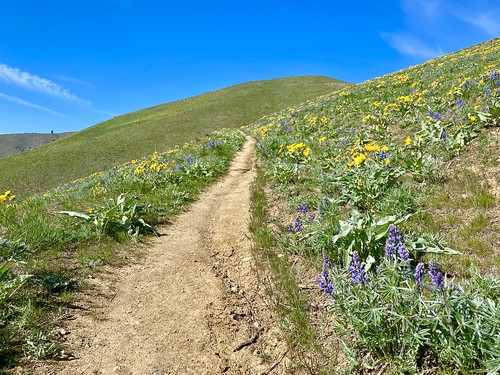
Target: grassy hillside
{"type": "Point", "coordinates": [14, 143]}
{"type": "Point", "coordinates": [141, 133]}
{"type": "Point", "coordinates": [391, 188]}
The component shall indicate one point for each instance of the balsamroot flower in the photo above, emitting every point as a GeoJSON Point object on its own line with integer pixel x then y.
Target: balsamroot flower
{"type": "Point", "coordinates": [358, 273]}
{"type": "Point", "coordinates": [436, 275]}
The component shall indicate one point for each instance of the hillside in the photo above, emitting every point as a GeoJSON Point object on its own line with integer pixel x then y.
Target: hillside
{"type": "Point", "coordinates": [391, 187]}
{"type": "Point", "coordinates": [138, 134]}
{"type": "Point", "coordinates": [19, 142]}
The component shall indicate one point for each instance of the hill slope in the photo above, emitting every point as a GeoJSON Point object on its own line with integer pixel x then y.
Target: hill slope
{"type": "Point", "coordinates": [14, 143]}
{"type": "Point", "coordinates": [140, 133]}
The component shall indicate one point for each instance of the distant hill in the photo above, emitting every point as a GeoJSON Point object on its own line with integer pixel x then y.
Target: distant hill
{"type": "Point", "coordinates": [14, 143]}
{"type": "Point", "coordinates": [141, 133]}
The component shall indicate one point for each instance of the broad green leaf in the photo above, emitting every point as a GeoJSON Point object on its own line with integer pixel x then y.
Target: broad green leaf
{"type": "Point", "coordinates": [75, 214]}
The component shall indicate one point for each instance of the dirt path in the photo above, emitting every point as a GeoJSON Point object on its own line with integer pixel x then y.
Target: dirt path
{"type": "Point", "coordinates": [193, 305]}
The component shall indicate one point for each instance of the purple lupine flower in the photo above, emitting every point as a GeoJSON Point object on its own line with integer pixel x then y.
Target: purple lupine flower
{"type": "Point", "coordinates": [290, 229]}
{"type": "Point", "coordinates": [189, 159]}
{"type": "Point", "coordinates": [310, 218]}
{"type": "Point", "coordinates": [358, 274]}
{"type": "Point", "coordinates": [324, 280]}
{"type": "Point", "coordinates": [487, 91]}
{"type": "Point", "coordinates": [435, 115]}
{"type": "Point", "coordinates": [389, 249]}
{"type": "Point", "coordinates": [298, 224]}
{"type": "Point", "coordinates": [395, 237]}
{"type": "Point", "coordinates": [303, 208]}
{"type": "Point", "coordinates": [383, 155]}
{"type": "Point", "coordinates": [459, 102]}
{"type": "Point", "coordinates": [444, 135]}
{"type": "Point", "coordinates": [436, 275]}
{"type": "Point", "coordinates": [419, 272]}
{"type": "Point", "coordinates": [403, 253]}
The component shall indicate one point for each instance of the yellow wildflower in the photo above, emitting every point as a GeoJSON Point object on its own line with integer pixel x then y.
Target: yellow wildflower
{"type": "Point", "coordinates": [368, 117]}
{"type": "Point", "coordinates": [404, 99]}
{"type": "Point", "coordinates": [359, 159]}
{"type": "Point", "coordinates": [408, 141]}
{"type": "Point", "coordinates": [5, 196]}
{"type": "Point", "coordinates": [360, 183]}
{"type": "Point", "coordinates": [307, 151]}
{"type": "Point", "coordinates": [372, 146]}
{"type": "Point", "coordinates": [295, 146]}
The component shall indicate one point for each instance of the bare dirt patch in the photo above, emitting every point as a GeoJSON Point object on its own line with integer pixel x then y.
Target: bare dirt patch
{"type": "Point", "coordinates": [192, 305]}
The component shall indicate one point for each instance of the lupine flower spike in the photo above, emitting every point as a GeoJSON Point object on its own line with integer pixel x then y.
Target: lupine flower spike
{"type": "Point", "coordinates": [419, 273]}
{"type": "Point", "coordinates": [395, 242]}
{"type": "Point", "coordinates": [324, 280]}
{"type": "Point", "coordinates": [436, 275]}
{"type": "Point", "coordinates": [358, 273]}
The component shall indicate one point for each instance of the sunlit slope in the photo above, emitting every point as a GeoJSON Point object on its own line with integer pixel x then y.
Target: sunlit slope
{"type": "Point", "coordinates": [141, 133]}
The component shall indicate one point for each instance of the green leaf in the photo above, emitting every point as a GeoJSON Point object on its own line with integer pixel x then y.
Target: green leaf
{"type": "Point", "coordinates": [148, 227]}
{"type": "Point", "coordinates": [75, 214]}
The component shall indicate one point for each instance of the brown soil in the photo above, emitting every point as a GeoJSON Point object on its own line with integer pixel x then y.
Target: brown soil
{"type": "Point", "coordinates": [192, 305]}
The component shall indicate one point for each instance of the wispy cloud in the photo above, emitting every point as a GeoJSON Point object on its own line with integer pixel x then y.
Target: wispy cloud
{"type": "Point", "coordinates": [427, 24]}
{"type": "Point", "coordinates": [426, 8]}
{"type": "Point", "coordinates": [411, 46]}
{"type": "Point", "coordinates": [489, 22]}
{"type": "Point", "coordinates": [22, 102]}
{"type": "Point", "coordinates": [105, 112]}
{"type": "Point", "coordinates": [76, 81]}
{"type": "Point", "coordinates": [36, 83]}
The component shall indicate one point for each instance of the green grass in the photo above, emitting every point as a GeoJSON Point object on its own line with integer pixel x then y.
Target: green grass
{"type": "Point", "coordinates": [139, 134]}
{"type": "Point", "coordinates": [290, 302]}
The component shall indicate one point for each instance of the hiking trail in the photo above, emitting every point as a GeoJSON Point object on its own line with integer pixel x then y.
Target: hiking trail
{"type": "Point", "coordinates": [192, 305]}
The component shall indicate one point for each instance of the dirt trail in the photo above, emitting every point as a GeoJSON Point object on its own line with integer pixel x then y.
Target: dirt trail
{"type": "Point", "coordinates": [193, 305]}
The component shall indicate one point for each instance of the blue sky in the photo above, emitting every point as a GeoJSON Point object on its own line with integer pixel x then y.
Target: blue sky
{"type": "Point", "coordinates": [67, 65]}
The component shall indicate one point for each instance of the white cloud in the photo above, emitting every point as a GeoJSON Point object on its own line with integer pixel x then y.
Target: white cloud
{"type": "Point", "coordinates": [74, 80]}
{"type": "Point", "coordinates": [36, 83]}
{"type": "Point", "coordinates": [421, 8]}
{"type": "Point", "coordinates": [106, 112]}
{"type": "Point", "coordinates": [487, 22]}
{"type": "Point", "coordinates": [22, 102]}
{"type": "Point", "coordinates": [411, 46]}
